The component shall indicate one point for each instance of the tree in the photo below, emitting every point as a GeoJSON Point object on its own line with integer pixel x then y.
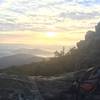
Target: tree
{"type": "Point", "coordinates": [57, 54]}
{"type": "Point", "coordinates": [61, 53]}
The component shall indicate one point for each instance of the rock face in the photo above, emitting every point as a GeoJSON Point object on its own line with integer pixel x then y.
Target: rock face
{"type": "Point", "coordinates": [33, 88]}
{"type": "Point", "coordinates": [17, 88]}
{"type": "Point", "coordinates": [92, 38]}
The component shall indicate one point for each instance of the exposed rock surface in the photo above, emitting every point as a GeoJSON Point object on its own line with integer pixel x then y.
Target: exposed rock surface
{"type": "Point", "coordinates": [34, 88]}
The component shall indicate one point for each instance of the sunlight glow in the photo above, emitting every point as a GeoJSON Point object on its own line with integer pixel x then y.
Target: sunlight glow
{"type": "Point", "coordinates": [51, 34]}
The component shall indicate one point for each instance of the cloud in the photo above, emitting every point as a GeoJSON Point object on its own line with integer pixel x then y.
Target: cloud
{"type": "Point", "coordinates": [46, 15]}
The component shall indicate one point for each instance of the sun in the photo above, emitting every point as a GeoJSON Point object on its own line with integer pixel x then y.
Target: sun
{"type": "Point", "coordinates": [51, 34]}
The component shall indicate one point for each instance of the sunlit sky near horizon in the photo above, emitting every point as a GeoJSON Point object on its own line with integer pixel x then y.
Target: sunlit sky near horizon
{"type": "Point", "coordinates": [47, 22]}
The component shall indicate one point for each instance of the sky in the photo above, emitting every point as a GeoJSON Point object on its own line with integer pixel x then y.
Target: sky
{"type": "Point", "coordinates": [47, 22]}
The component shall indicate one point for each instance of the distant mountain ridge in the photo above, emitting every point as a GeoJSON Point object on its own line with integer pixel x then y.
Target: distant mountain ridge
{"type": "Point", "coordinates": [18, 59]}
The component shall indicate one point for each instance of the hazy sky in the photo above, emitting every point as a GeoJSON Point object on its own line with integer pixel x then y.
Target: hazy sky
{"type": "Point", "coordinates": [47, 22]}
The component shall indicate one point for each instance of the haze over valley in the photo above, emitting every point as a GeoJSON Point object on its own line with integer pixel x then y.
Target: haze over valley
{"type": "Point", "coordinates": [18, 54]}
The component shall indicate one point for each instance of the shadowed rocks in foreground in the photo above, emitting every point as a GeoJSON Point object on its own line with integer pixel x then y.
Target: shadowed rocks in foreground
{"type": "Point", "coordinates": [33, 88]}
